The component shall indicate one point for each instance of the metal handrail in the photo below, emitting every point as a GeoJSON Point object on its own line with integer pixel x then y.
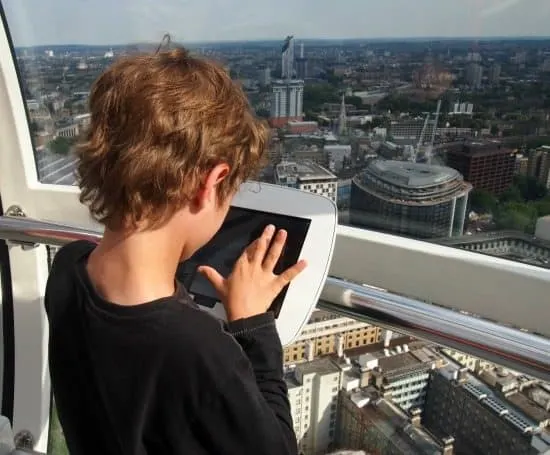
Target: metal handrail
{"type": "Point", "coordinates": [513, 348]}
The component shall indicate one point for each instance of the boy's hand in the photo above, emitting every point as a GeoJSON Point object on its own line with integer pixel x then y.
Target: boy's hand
{"type": "Point", "coordinates": [252, 285]}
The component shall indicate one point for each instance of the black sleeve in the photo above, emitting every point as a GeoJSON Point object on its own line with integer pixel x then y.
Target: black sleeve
{"type": "Point", "coordinates": [249, 413]}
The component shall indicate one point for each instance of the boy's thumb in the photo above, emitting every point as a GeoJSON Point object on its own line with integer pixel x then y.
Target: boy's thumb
{"type": "Point", "coordinates": [213, 276]}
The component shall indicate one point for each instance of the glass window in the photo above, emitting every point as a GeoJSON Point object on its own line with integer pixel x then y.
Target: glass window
{"type": "Point", "coordinates": [437, 139]}
{"type": "Point", "coordinates": [441, 139]}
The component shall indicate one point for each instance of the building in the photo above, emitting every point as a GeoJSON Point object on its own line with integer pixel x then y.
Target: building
{"type": "Point", "coordinates": [295, 127]}
{"type": "Point", "coordinates": [286, 102]}
{"type": "Point", "coordinates": [486, 165]}
{"type": "Point", "coordinates": [474, 364]}
{"type": "Point", "coordinates": [462, 109]}
{"type": "Point", "coordinates": [301, 64]}
{"type": "Point", "coordinates": [264, 76]}
{"type": "Point", "coordinates": [538, 166]}
{"type": "Point", "coordinates": [83, 120]}
{"type": "Point", "coordinates": [302, 70]}
{"type": "Point", "coordinates": [343, 193]}
{"type": "Point", "coordinates": [313, 389]}
{"type": "Point", "coordinates": [71, 130]}
{"type": "Point", "coordinates": [343, 118]}
{"type": "Point", "coordinates": [542, 228]}
{"type": "Point", "coordinates": [513, 245]}
{"type": "Point", "coordinates": [410, 199]}
{"type": "Point", "coordinates": [287, 58]}
{"type": "Point", "coordinates": [410, 130]}
{"type": "Point", "coordinates": [307, 176]}
{"type": "Point", "coordinates": [474, 75]}
{"type": "Point", "coordinates": [399, 374]}
{"type": "Point", "coordinates": [329, 334]}
{"type": "Point", "coordinates": [494, 73]}
{"type": "Point", "coordinates": [479, 419]}
{"type": "Point", "coordinates": [522, 165]}
{"type": "Point", "coordinates": [366, 421]}
{"type": "Point", "coordinates": [337, 156]}
{"type": "Point", "coordinates": [297, 151]}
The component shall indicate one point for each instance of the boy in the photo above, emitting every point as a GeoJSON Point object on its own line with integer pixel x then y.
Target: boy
{"type": "Point", "coordinates": [136, 367]}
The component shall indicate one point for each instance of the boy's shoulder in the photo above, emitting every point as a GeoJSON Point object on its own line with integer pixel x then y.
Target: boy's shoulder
{"type": "Point", "coordinates": [69, 254]}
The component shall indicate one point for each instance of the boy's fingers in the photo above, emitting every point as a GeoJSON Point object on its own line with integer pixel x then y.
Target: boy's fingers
{"type": "Point", "coordinates": [274, 252]}
{"type": "Point", "coordinates": [214, 277]}
{"type": "Point", "coordinates": [263, 244]}
{"type": "Point", "coordinates": [289, 274]}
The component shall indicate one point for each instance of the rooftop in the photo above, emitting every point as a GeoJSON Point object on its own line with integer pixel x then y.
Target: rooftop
{"type": "Point", "coordinates": [490, 399]}
{"type": "Point", "coordinates": [412, 175]}
{"type": "Point", "coordinates": [394, 424]}
{"type": "Point", "coordinates": [321, 365]}
{"type": "Point", "coordinates": [484, 147]}
{"type": "Point", "coordinates": [303, 171]}
{"type": "Point", "coordinates": [529, 407]}
{"type": "Point", "coordinates": [517, 246]}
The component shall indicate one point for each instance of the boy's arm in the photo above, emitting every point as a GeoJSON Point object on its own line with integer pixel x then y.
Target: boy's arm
{"type": "Point", "coordinates": [249, 413]}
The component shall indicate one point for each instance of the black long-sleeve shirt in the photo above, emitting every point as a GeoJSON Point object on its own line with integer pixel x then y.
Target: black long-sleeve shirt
{"type": "Point", "coordinates": [162, 377]}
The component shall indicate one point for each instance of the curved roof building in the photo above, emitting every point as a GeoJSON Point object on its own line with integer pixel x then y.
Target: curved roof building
{"type": "Point", "coordinates": [413, 199]}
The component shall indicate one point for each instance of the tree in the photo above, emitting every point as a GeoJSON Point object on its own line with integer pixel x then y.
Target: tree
{"type": "Point", "coordinates": [494, 130]}
{"type": "Point", "coordinates": [512, 194]}
{"type": "Point", "coordinates": [482, 201]}
{"type": "Point", "coordinates": [516, 216]}
{"type": "Point", "coordinates": [355, 100]}
{"type": "Point", "coordinates": [542, 207]}
{"type": "Point", "coordinates": [60, 145]}
{"type": "Point", "coordinates": [34, 127]}
{"type": "Point", "coordinates": [530, 188]}
{"type": "Point", "coordinates": [318, 94]}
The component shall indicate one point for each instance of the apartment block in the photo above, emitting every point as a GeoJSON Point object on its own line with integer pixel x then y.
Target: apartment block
{"type": "Point", "coordinates": [329, 334]}
{"type": "Point", "coordinates": [313, 389]}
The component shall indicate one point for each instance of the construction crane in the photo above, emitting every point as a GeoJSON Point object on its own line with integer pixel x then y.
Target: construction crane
{"type": "Point", "coordinates": [420, 139]}
{"type": "Point", "coordinates": [430, 146]}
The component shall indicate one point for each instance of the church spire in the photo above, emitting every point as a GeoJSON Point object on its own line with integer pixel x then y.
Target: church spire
{"type": "Point", "coordinates": [342, 120]}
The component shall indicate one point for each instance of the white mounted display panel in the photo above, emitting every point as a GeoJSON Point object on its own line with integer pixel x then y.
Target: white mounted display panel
{"type": "Point", "coordinates": [310, 221]}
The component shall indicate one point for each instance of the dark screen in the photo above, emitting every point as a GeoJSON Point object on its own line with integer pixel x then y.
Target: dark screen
{"type": "Point", "coordinates": [240, 228]}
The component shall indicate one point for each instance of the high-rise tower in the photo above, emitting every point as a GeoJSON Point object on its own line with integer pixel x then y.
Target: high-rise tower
{"type": "Point", "coordinates": [287, 58]}
{"type": "Point", "coordinates": [301, 64]}
{"type": "Point", "coordinates": [288, 92]}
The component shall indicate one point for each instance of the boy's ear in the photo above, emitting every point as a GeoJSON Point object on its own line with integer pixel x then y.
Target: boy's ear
{"type": "Point", "coordinates": [207, 191]}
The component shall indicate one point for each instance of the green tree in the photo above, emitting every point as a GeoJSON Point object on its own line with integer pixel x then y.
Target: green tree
{"type": "Point", "coordinates": [60, 145]}
{"type": "Point", "coordinates": [530, 189]}
{"type": "Point", "coordinates": [512, 194]}
{"type": "Point", "coordinates": [494, 130]}
{"type": "Point", "coordinates": [516, 216]}
{"type": "Point", "coordinates": [482, 201]}
{"type": "Point", "coordinates": [317, 94]}
{"type": "Point", "coordinates": [542, 207]}
{"type": "Point", "coordinates": [355, 100]}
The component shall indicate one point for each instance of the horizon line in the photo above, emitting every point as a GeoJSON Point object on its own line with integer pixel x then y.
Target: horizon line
{"type": "Point", "coordinates": [275, 40]}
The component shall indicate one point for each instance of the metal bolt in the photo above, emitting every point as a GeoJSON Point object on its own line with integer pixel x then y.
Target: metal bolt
{"type": "Point", "coordinates": [24, 440]}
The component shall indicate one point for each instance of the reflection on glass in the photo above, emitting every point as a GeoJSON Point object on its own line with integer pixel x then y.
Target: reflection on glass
{"type": "Point", "coordinates": [444, 139]}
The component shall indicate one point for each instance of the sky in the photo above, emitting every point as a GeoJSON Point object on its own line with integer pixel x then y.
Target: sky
{"type": "Point", "coordinates": [42, 22]}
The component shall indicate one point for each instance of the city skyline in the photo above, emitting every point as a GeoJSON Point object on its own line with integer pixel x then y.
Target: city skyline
{"type": "Point", "coordinates": [190, 21]}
